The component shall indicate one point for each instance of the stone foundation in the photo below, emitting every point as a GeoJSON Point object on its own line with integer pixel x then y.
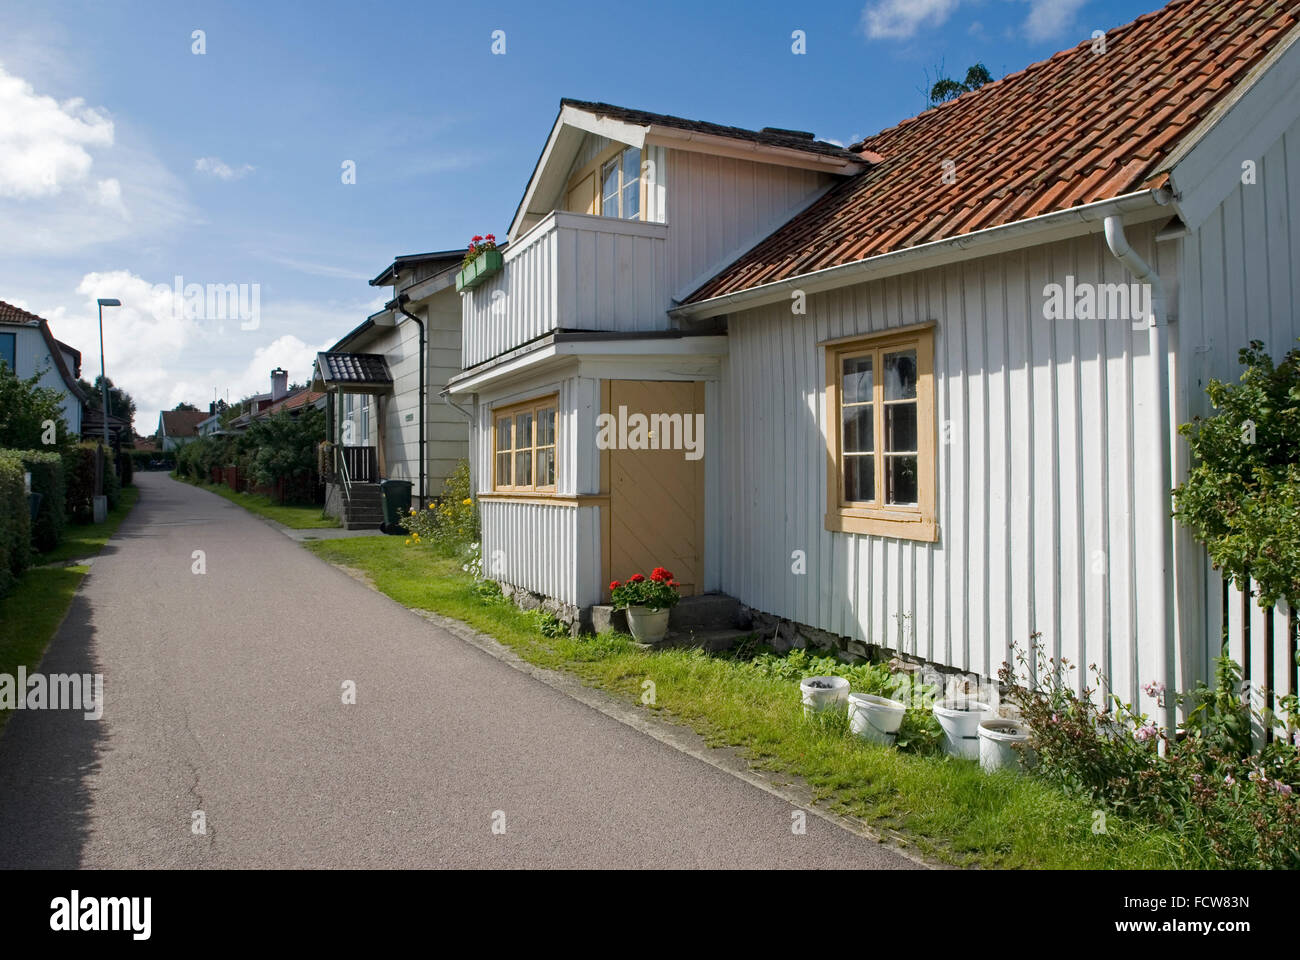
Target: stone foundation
{"type": "Point", "coordinates": [526, 600]}
{"type": "Point", "coordinates": [785, 635]}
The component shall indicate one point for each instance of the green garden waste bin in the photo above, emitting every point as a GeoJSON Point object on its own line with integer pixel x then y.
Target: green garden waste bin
{"type": "Point", "coordinates": [397, 503]}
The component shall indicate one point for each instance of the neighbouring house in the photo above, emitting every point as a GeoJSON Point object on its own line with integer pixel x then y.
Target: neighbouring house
{"type": "Point", "coordinates": [27, 347]}
{"type": "Point", "coordinates": [917, 393]}
{"type": "Point", "coordinates": [374, 382]}
{"type": "Point", "coordinates": [252, 406]}
{"type": "Point", "coordinates": [178, 427]}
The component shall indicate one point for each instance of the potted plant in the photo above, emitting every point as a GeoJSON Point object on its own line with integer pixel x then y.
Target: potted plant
{"type": "Point", "coordinates": [482, 259]}
{"type": "Point", "coordinates": [647, 601]}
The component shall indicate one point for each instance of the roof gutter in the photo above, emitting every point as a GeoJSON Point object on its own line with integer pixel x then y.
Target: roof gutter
{"type": "Point", "coordinates": [934, 253]}
{"type": "Point", "coordinates": [1161, 512]}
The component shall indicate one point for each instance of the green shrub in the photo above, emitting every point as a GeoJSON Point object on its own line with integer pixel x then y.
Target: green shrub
{"type": "Point", "coordinates": [79, 474]}
{"type": "Point", "coordinates": [1231, 806]}
{"type": "Point", "coordinates": [15, 524]}
{"type": "Point", "coordinates": [46, 469]}
{"type": "Point", "coordinates": [452, 520]}
{"type": "Point", "coordinates": [1242, 494]}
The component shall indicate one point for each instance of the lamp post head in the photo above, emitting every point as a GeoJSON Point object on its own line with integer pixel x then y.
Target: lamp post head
{"type": "Point", "coordinates": [110, 302]}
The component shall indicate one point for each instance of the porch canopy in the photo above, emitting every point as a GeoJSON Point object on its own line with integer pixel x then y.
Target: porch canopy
{"type": "Point", "coordinates": [341, 373]}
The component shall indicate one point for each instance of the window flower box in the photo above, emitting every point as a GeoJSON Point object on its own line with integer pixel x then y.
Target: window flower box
{"type": "Point", "coordinates": [482, 260]}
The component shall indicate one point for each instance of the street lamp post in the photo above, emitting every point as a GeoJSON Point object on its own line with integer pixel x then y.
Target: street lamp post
{"type": "Point", "coordinates": [101, 505]}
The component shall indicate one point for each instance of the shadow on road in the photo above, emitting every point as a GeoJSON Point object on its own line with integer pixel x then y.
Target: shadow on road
{"type": "Point", "coordinates": [48, 761]}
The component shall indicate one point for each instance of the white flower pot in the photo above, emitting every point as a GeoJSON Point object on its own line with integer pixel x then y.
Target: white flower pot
{"type": "Point", "coordinates": [823, 693]}
{"type": "Point", "coordinates": [875, 718]}
{"type": "Point", "coordinates": [647, 625]}
{"type": "Point", "coordinates": [998, 740]}
{"type": "Point", "coordinates": [960, 719]}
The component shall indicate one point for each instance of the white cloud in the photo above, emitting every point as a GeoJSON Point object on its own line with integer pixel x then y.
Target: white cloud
{"type": "Point", "coordinates": [69, 182]}
{"type": "Point", "coordinates": [1049, 19]}
{"type": "Point", "coordinates": [43, 143]}
{"type": "Point", "coordinates": [161, 358]}
{"type": "Point", "coordinates": [216, 167]}
{"type": "Point", "coordinates": [900, 19]}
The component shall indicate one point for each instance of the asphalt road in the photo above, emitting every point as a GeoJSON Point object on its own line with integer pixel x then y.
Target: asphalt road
{"type": "Point", "coordinates": [223, 693]}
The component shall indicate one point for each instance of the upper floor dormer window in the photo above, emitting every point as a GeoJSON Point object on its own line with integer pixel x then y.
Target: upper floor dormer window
{"type": "Point", "coordinates": [620, 185]}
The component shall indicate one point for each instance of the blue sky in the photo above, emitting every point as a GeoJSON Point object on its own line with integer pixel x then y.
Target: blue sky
{"type": "Point", "coordinates": [126, 159]}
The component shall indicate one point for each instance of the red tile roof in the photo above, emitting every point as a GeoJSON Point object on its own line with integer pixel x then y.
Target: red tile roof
{"type": "Point", "coordinates": [183, 423]}
{"type": "Point", "coordinates": [1075, 129]}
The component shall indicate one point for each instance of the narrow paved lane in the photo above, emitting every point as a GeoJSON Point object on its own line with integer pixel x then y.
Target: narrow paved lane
{"type": "Point", "coordinates": [223, 694]}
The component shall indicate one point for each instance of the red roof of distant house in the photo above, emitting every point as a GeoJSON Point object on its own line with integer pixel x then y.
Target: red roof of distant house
{"type": "Point", "coordinates": [1075, 129]}
{"type": "Point", "coordinates": [11, 314]}
{"type": "Point", "coordinates": [292, 402]}
{"type": "Point", "coordinates": [183, 423]}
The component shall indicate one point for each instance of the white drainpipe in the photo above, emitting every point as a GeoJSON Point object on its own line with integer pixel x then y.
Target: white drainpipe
{"type": "Point", "coordinates": [1161, 509]}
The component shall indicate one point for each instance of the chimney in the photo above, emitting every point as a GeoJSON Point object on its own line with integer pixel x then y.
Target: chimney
{"type": "Point", "coordinates": [279, 384]}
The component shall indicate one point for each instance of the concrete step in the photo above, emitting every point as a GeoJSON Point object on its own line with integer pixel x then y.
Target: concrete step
{"type": "Point", "coordinates": [709, 611]}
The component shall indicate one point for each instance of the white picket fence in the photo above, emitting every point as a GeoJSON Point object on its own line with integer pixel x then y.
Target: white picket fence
{"type": "Point", "coordinates": [1262, 641]}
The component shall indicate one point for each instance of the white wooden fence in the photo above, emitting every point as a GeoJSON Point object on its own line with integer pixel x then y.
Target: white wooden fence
{"type": "Point", "coordinates": [1262, 642]}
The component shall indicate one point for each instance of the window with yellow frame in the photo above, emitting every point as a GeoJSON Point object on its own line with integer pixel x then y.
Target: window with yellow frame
{"type": "Point", "coordinates": [524, 445]}
{"type": "Point", "coordinates": [880, 453]}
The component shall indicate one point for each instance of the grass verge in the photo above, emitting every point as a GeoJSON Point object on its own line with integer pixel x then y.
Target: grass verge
{"type": "Point", "coordinates": [946, 808]}
{"type": "Point", "coordinates": [36, 606]}
{"type": "Point", "coordinates": [296, 516]}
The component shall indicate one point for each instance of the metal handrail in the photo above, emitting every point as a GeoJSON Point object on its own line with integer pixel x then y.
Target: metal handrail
{"type": "Point", "coordinates": [342, 462]}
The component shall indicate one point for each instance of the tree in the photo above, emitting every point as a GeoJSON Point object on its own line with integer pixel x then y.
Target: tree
{"type": "Point", "coordinates": [1241, 497]}
{"type": "Point", "coordinates": [26, 409]}
{"type": "Point", "coordinates": [945, 88]}
{"type": "Point", "coordinates": [120, 403]}
{"type": "Point", "coordinates": [186, 406]}
{"type": "Point", "coordinates": [285, 445]}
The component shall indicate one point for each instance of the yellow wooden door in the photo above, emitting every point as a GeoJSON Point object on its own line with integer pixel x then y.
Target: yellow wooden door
{"type": "Point", "coordinates": [657, 496]}
{"type": "Point", "coordinates": [582, 198]}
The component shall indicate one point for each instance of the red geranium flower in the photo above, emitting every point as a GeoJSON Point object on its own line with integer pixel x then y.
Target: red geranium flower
{"type": "Point", "coordinates": [635, 578]}
{"type": "Point", "coordinates": [491, 236]}
{"type": "Point", "coordinates": [615, 585]}
{"type": "Point", "coordinates": [475, 239]}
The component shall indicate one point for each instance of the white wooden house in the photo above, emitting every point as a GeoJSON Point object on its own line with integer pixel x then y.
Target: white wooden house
{"type": "Point", "coordinates": [375, 383]}
{"type": "Point", "coordinates": [28, 347]}
{"type": "Point", "coordinates": [940, 370]}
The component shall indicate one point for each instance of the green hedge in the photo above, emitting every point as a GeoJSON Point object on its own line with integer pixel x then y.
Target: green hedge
{"type": "Point", "coordinates": [79, 470]}
{"type": "Point", "coordinates": [15, 527]}
{"type": "Point", "coordinates": [47, 469]}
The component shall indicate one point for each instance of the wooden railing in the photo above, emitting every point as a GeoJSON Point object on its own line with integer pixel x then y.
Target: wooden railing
{"type": "Point", "coordinates": [360, 463]}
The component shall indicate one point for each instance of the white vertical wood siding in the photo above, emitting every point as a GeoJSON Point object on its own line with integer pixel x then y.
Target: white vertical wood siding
{"type": "Point", "coordinates": [717, 207]}
{"type": "Point", "coordinates": [571, 271]}
{"type": "Point", "coordinates": [1045, 445]}
{"type": "Point", "coordinates": [535, 546]}
{"type": "Point", "coordinates": [558, 546]}
{"type": "Point", "coordinates": [1241, 282]}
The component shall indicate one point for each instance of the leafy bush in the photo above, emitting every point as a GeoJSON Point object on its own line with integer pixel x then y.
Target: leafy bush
{"type": "Point", "coordinates": [25, 408]}
{"type": "Point", "coordinates": [283, 447]}
{"type": "Point", "coordinates": [1242, 494]}
{"type": "Point", "coordinates": [1230, 806]}
{"type": "Point", "coordinates": [450, 522]}
{"type": "Point", "coordinates": [79, 480]}
{"type": "Point", "coordinates": [46, 469]}
{"type": "Point", "coordinates": [15, 524]}
{"type": "Point", "coordinates": [126, 468]}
